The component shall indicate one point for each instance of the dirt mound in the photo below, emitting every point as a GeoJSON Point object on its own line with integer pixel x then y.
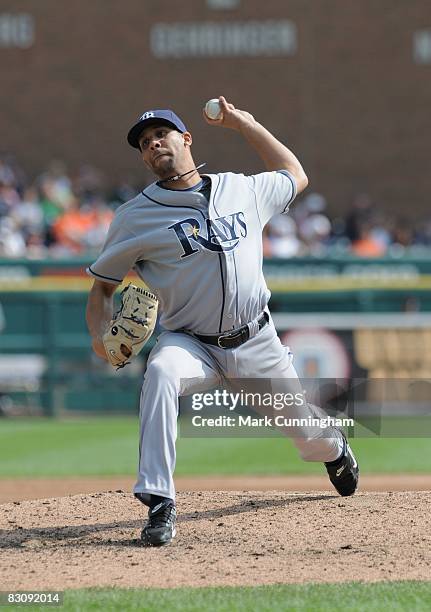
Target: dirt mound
{"type": "Point", "coordinates": [224, 538]}
{"type": "Point", "coordinates": [19, 489]}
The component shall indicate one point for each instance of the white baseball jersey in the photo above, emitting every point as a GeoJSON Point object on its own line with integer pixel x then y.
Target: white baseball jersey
{"type": "Point", "coordinates": [202, 259]}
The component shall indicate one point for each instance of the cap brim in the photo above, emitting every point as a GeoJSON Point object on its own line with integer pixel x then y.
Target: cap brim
{"type": "Point", "coordinates": [136, 131]}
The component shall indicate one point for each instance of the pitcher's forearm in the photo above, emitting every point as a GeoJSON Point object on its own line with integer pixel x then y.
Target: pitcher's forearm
{"type": "Point", "coordinates": [100, 308]}
{"type": "Point", "coordinates": [274, 154]}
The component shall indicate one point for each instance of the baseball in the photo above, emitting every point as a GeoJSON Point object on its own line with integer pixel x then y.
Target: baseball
{"type": "Point", "coordinates": [212, 109]}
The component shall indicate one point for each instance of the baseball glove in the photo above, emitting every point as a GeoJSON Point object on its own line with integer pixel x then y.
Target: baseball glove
{"type": "Point", "coordinates": [131, 326]}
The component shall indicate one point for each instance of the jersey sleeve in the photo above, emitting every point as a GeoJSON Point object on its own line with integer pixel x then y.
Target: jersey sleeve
{"type": "Point", "coordinates": [274, 192]}
{"type": "Point", "coordinates": [120, 252]}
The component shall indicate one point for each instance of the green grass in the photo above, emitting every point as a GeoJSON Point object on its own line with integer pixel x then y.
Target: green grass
{"type": "Point", "coordinates": [347, 597]}
{"type": "Point", "coordinates": [109, 446]}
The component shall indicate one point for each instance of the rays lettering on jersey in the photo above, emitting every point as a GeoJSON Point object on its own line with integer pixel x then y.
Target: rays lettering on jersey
{"type": "Point", "coordinates": [222, 234]}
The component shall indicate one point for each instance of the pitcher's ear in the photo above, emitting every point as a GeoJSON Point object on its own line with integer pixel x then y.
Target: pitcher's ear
{"type": "Point", "coordinates": [187, 138]}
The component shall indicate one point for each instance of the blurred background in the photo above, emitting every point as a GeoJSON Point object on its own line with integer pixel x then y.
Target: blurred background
{"type": "Point", "coordinates": [345, 84]}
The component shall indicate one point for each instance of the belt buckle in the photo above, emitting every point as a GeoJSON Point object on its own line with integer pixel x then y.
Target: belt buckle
{"type": "Point", "coordinates": [221, 338]}
{"type": "Point", "coordinates": [218, 342]}
{"type": "Point", "coordinates": [227, 336]}
{"type": "Point", "coordinates": [230, 336]}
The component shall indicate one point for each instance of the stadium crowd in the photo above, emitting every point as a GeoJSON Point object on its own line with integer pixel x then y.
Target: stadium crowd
{"type": "Point", "coordinates": [60, 215]}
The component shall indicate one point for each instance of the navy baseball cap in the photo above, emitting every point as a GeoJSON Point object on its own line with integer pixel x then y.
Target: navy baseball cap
{"type": "Point", "coordinates": [154, 117]}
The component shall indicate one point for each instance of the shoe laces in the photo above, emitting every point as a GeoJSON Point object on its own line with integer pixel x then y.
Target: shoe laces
{"type": "Point", "coordinates": [162, 516]}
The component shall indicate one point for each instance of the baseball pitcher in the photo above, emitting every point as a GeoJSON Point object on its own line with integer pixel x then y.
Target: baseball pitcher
{"type": "Point", "coordinates": [196, 241]}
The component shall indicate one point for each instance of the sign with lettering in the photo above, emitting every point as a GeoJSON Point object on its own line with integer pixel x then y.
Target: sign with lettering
{"type": "Point", "coordinates": [16, 30]}
{"type": "Point", "coordinates": [224, 39]}
{"type": "Point", "coordinates": [422, 46]}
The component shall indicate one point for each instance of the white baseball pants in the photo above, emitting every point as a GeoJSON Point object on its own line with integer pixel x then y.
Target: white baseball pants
{"type": "Point", "coordinates": [178, 365]}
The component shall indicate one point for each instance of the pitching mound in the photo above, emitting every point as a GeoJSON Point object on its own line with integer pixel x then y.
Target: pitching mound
{"type": "Point", "coordinates": [224, 538]}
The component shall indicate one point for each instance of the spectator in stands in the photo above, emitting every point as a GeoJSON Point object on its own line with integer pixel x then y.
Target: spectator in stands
{"type": "Point", "coordinates": [280, 238]}
{"type": "Point", "coordinates": [100, 216]}
{"type": "Point", "coordinates": [361, 211]}
{"type": "Point", "coordinates": [422, 234]}
{"type": "Point", "coordinates": [12, 243]}
{"type": "Point", "coordinates": [82, 228]}
{"type": "Point", "coordinates": [9, 197]}
{"type": "Point", "coordinates": [28, 214]}
{"type": "Point", "coordinates": [403, 234]}
{"type": "Point", "coordinates": [367, 243]}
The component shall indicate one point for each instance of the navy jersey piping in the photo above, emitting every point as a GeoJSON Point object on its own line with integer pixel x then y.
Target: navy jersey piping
{"type": "Point", "coordinates": [174, 205]}
{"type": "Point", "coordinates": [106, 277]}
{"type": "Point", "coordinates": [257, 208]}
{"type": "Point", "coordinates": [222, 286]}
{"type": "Point", "coordinates": [214, 196]}
{"type": "Point", "coordinates": [196, 187]}
{"type": "Point", "coordinates": [287, 175]}
{"type": "Point", "coordinates": [220, 261]}
{"type": "Point", "coordinates": [236, 284]}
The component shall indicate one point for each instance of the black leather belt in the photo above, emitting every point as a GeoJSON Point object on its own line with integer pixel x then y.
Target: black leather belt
{"type": "Point", "coordinates": [234, 338]}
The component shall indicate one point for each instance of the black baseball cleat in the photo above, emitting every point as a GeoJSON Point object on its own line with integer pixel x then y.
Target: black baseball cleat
{"type": "Point", "coordinates": [160, 527]}
{"type": "Point", "coordinates": [344, 472]}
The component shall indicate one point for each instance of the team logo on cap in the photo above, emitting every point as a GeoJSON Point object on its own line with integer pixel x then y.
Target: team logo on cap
{"type": "Point", "coordinates": [147, 115]}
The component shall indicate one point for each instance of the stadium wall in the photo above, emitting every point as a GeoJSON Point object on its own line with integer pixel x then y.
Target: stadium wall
{"type": "Point", "coordinates": [344, 83]}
